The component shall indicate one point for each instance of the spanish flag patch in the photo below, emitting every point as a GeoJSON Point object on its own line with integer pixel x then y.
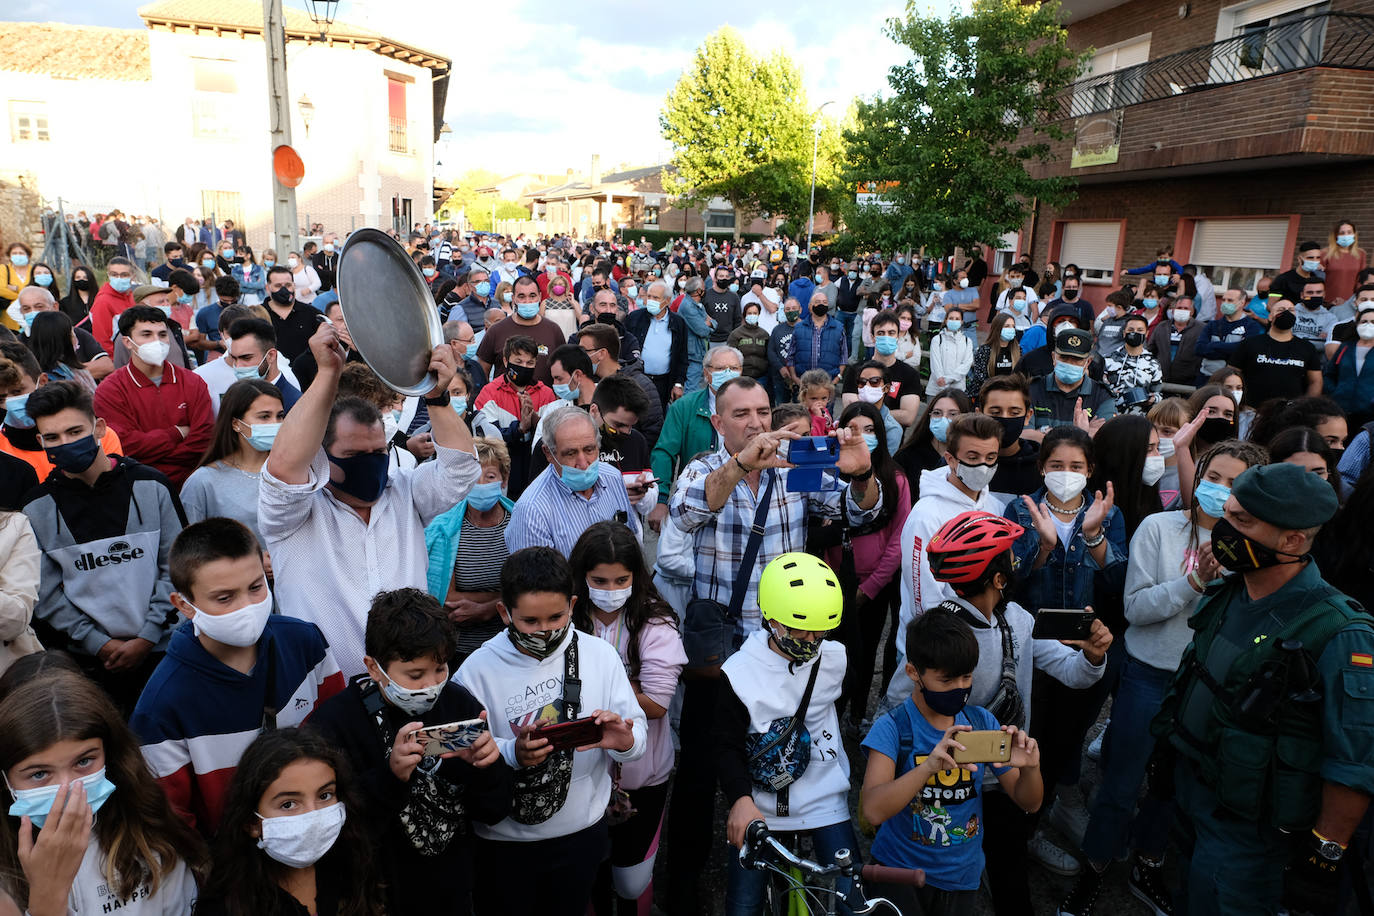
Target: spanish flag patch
{"type": "Point", "coordinates": [1364, 661]}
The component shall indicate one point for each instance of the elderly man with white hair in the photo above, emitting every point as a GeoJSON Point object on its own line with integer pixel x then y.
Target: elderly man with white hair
{"type": "Point", "coordinates": [662, 334]}
{"type": "Point", "coordinates": [35, 299]}
{"type": "Point", "coordinates": [574, 492]}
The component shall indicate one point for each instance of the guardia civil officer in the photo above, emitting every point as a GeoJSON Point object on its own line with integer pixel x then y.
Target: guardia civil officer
{"type": "Point", "coordinates": [1271, 713]}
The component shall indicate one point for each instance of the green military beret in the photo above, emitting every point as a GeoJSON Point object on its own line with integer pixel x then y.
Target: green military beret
{"type": "Point", "coordinates": [1285, 495]}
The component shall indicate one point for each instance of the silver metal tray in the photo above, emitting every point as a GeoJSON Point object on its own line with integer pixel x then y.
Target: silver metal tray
{"type": "Point", "coordinates": [390, 313]}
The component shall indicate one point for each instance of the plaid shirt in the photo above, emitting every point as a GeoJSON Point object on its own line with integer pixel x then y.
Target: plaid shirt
{"type": "Point", "coordinates": [719, 536]}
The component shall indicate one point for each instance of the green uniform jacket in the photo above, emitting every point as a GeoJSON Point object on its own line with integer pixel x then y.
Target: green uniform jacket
{"type": "Point", "coordinates": [686, 431]}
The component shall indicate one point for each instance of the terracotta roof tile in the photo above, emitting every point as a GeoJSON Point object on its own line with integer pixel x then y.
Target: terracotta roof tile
{"type": "Point", "coordinates": [75, 51]}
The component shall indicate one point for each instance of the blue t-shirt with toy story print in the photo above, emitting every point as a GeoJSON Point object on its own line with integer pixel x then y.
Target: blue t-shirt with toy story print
{"type": "Point", "coordinates": [945, 836]}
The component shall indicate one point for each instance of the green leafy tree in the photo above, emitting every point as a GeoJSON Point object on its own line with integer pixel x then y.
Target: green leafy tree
{"type": "Point", "coordinates": [741, 129]}
{"type": "Point", "coordinates": [480, 213]}
{"type": "Point", "coordinates": [948, 147]}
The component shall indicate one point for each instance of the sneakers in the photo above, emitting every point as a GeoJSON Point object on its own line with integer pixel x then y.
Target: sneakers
{"type": "Point", "coordinates": [1095, 746]}
{"type": "Point", "coordinates": [1147, 884]}
{"type": "Point", "coordinates": [1068, 815]}
{"type": "Point", "coordinates": [1084, 893]}
{"type": "Point", "coordinates": [1043, 850]}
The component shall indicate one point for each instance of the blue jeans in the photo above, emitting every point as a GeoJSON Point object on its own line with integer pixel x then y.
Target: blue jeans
{"type": "Point", "coordinates": [847, 321]}
{"type": "Point", "coordinates": [1126, 750]}
{"type": "Point", "coordinates": [744, 889]}
{"type": "Point", "coordinates": [1237, 866]}
{"type": "Point", "coordinates": [693, 380]}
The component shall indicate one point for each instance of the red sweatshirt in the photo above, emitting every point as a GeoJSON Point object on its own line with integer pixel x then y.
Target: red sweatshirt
{"type": "Point", "coordinates": [105, 312]}
{"type": "Point", "coordinates": [146, 417]}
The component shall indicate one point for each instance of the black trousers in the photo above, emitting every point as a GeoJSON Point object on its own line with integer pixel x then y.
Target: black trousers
{"type": "Point", "coordinates": [1008, 830]}
{"type": "Point", "coordinates": [551, 877]}
{"type": "Point", "coordinates": [693, 805]}
{"type": "Point", "coordinates": [858, 681]}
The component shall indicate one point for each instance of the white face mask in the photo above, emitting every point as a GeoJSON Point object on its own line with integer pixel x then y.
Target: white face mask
{"type": "Point", "coordinates": [1153, 470]}
{"type": "Point", "coordinates": [609, 599]}
{"type": "Point", "coordinates": [1237, 394]}
{"type": "Point", "coordinates": [154, 352]}
{"type": "Point", "coordinates": [1365, 330]}
{"type": "Point", "coordinates": [1065, 485]}
{"type": "Point", "coordinates": [415, 702]}
{"type": "Point", "coordinates": [963, 282]}
{"type": "Point", "coordinates": [1181, 315]}
{"type": "Point", "coordinates": [1166, 448]}
{"type": "Point", "coordinates": [975, 476]}
{"type": "Point", "coordinates": [870, 395]}
{"type": "Point", "coordinates": [241, 628]}
{"type": "Point", "coordinates": [301, 840]}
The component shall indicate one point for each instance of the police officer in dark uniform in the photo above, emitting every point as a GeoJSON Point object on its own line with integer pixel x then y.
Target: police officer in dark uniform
{"type": "Point", "coordinates": [1271, 714]}
{"type": "Point", "coordinates": [1056, 396]}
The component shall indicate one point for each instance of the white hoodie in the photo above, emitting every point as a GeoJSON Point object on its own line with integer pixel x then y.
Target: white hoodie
{"type": "Point", "coordinates": [940, 501]}
{"type": "Point", "coordinates": [951, 357]}
{"type": "Point", "coordinates": [520, 691]}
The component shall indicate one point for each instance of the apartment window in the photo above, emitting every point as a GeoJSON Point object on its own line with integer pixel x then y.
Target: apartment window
{"type": "Point", "coordinates": [720, 220]}
{"type": "Point", "coordinates": [1006, 252]}
{"type": "Point", "coordinates": [214, 99]}
{"type": "Point", "coordinates": [29, 122]}
{"type": "Point", "coordinates": [651, 216]}
{"type": "Point", "coordinates": [1092, 246]}
{"type": "Point", "coordinates": [1105, 87]}
{"type": "Point", "coordinates": [396, 115]}
{"type": "Point", "coordinates": [1276, 39]}
{"type": "Point", "coordinates": [1237, 252]}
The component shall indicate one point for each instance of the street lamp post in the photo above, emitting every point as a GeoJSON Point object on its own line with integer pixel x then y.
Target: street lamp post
{"type": "Point", "coordinates": [284, 221]}
{"type": "Point", "coordinates": [815, 148]}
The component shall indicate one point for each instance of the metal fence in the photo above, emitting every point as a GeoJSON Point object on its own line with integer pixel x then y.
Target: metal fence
{"type": "Point", "coordinates": [1325, 40]}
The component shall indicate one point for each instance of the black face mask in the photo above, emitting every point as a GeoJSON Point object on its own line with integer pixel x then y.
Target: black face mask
{"type": "Point", "coordinates": [84, 285]}
{"type": "Point", "coordinates": [1134, 339]}
{"type": "Point", "coordinates": [1314, 302]}
{"type": "Point", "coordinates": [608, 318]}
{"type": "Point", "coordinates": [1239, 553]}
{"type": "Point", "coordinates": [1011, 429]}
{"type": "Point", "coordinates": [820, 309]}
{"type": "Point", "coordinates": [1070, 294]}
{"type": "Point", "coordinates": [283, 296]}
{"type": "Point", "coordinates": [520, 376]}
{"type": "Point", "coordinates": [1217, 429]}
{"type": "Point", "coordinates": [1285, 320]}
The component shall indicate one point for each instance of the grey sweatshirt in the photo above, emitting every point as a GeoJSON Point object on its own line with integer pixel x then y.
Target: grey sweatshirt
{"type": "Point", "coordinates": [1159, 599]}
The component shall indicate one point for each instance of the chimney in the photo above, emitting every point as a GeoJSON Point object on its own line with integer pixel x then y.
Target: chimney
{"type": "Point", "coordinates": [596, 169]}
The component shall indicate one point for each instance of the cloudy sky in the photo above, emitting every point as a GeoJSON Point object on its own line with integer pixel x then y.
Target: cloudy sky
{"type": "Point", "coordinates": [541, 85]}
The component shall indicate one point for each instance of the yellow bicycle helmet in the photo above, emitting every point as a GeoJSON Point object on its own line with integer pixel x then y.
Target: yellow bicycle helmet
{"type": "Point", "coordinates": [801, 592]}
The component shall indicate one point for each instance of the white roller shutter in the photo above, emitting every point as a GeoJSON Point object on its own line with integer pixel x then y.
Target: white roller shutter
{"type": "Point", "coordinates": [1092, 246]}
{"type": "Point", "coordinates": [1240, 243]}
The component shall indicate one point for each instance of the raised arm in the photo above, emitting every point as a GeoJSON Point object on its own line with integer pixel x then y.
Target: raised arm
{"type": "Point", "coordinates": [302, 432]}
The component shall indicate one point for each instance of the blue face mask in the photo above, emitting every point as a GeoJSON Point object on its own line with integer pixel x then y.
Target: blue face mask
{"type": "Point", "coordinates": [1311, 266]}
{"type": "Point", "coordinates": [485, 495]}
{"type": "Point", "coordinates": [44, 280]}
{"type": "Point", "coordinates": [577, 480]}
{"type": "Point", "coordinates": [19, 260]}
{"type": "Point", "coordinates": [1068, 373]}
{"type": "Point", "coordinates": [428, 271]}
{"type": "Point", "coordinates": [527, 310]}
{"type": "Point", "coordinates": [268, 262]}
{"type": "Point", "coordinates": [28, 323]}
{"type": "Point", "coordinates": [939, 427]}
{"type": "Point", "coordinates": [1008, 333]}
{"type": "Point", "coordinates": [566, 392]}
{"type": "Point", "coordinates": [244, 373]}
{"type": "Point", "coordinates": [885, 346]}
{"type": "Point", "coordinates": [262, 435]}
{"type": "Point", "coordinates": [1149, 303]}
{"type": "Point", "coordinates": [1345, 241]}
{"type": "Point", "coordinates": [1161, 279]}
{"type": "Point", "coordinates": [1018, 305]}
{"type": "Point", "coordinates": [484, 289]}
{"type": "Point", "coordinates": [871, 440]}
{"type": "Point", "coordinates": [121, 284]}
{"type": "Point", "coordinates": [16, 412]}
{"type": "Point", "coordinates": [1211, 498]}
{"type": "Point", "coordinates": [207, 263]}
{"type": "Point", "coordinates": [36, 803]}
{"type": "Point", "coordinates": [721, 376]}
{"type": "Point", "coordinates": [184, 299]}
{"type": "Point", "coordinates": [365, 476]}
{"type": "Point", "coordinates": [459, 405]}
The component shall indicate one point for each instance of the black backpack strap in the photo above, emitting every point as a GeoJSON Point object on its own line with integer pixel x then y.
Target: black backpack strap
{"type": "Point", "coordinates": [572, 684]}
{"type": "Point", "coordinates": [751, 549]}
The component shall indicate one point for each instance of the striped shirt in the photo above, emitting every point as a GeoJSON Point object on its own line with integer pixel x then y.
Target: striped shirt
{"type": "Point", "coordinates": [719, 536]}
{"type": "Point", "coordinates": [548, 514]}
{"type": "Point", "coordinates": [481, 551]}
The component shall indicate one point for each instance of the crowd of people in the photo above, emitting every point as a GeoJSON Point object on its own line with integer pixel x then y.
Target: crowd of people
{"type": "Point", "coordinates": [693, 500]}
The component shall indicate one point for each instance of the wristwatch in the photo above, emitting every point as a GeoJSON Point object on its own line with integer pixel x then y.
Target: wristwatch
{"type": "Point", "coordinates": [1329, 850]}
{"type": "Point", "coordinates": [441, 401]}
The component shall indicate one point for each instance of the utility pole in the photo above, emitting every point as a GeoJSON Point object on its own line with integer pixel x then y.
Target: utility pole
{"type": "Point", "coordinates": [815, 148]}
{"type": "Point", "coordinates": [285, 226]}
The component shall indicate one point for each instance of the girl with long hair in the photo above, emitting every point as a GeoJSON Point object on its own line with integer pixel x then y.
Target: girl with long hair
{"type": "Point", "coordinates": [287, 840]}
{"type": "Point", "coordinates": [999, 353]}
{"type": "Point", "coordinates": [226, 481]}
{"type": "Point", "coordinates": [77, 303]}
{"type": "Point", "coordinates": [615, 599]}
{"type": "Point", "coordinates": [925, 448]}
{"type": "Point", "coordinates": [67, 756]}
{"type": "Point", "coordinates": [1128, 457]}
{"type": "Point", "coordinates": [53, 343]}
{"type": "Point", "coordinates": [44, 276]}
{"type": "Point", "coordinates": [1343, 260]}
{"type": "Point", "coordinates": [909, 335]}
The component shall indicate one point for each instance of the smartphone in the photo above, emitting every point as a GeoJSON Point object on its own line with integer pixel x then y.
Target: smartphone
{"type": "Point", "coordinates": [566, 736]}
{"type": "Point", "coordinates": [983, 747]}
{"type": "Point", "coordinates": [1063, 623]}
{"type": "Point", "coordinates": [441, 739]}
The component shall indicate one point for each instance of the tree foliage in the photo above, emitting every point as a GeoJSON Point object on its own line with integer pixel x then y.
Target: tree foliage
{"type": "Point", "coordinates": [741, 129]}
{"type": "Point", "coordinates": [479, 214]}
{"type": "Point", "coordinates": [948, 147]}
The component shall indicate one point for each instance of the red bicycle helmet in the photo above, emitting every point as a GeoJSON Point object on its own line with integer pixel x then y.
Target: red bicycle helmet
{"type": "Point", "coordinates": [967, 544]}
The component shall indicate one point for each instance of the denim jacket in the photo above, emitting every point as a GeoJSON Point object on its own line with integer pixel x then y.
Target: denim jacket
{"type": "Point", "coordinates": [1066, 579]}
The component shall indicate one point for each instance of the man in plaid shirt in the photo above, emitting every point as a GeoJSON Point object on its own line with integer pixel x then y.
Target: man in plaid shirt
{"type": "Point", "coordinates": [715, 500]}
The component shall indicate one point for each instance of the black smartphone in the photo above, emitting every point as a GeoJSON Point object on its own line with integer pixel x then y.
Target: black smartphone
{"type": "Point", "coordinates": [1063, 623]}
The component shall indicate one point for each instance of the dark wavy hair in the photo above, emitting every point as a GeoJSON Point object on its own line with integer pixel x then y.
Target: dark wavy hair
{"type": "Point", "coordinates": [51, 342]}
{"type": "Point", "coordinates": [884, 467]}
{"type": "Point", "coordinates": [244, 880]}
{"type": "Point", "coordinates": [613, 542]}
{"type": "Point", "coordinates": [1120, 446]}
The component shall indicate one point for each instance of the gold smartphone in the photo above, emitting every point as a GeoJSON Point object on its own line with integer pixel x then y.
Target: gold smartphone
{"type": "Point", "coordinates": [983, 747]}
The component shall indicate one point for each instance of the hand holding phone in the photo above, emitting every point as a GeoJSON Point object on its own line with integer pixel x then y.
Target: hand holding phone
{"type": "Point", "coordinates": [567, 736]}
{"type": "Point", "coordinates": [983, 747]}
{"type": "Point", "coordinates": [1063, 623]}
{"type": "Point", "coordinates": [455, 736]}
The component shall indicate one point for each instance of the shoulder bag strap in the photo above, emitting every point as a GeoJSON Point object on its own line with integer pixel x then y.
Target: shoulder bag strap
{"type": "Point", "coordinates": [572, 684]}
{"type": "Point", "coordinates": [751, 549]}
{"type": "Point", "coordinates": [269, 697]}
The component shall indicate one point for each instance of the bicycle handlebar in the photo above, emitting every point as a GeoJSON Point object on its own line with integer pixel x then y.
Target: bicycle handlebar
{"type": "Point", "coordinates": [757, 837]}
{"type": "Point", "coordinates": [884, 874]}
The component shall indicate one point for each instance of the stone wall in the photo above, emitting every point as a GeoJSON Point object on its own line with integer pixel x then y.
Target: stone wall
{"type": "Point", "coordinates": [21, 211]}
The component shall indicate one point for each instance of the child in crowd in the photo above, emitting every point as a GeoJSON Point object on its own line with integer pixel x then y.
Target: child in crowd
{"type": "Point", "coordinates": [236, 669]}
{"type": "Point", "coordinates": [616, 600]}
{"type": "Point", "coordinates": [815, 392]}
{"type": "Point", "coordinates": [928, 807]}
{"type": "Point", "coordinates": [287, 845]}
{"type": "Point", "coordinates": [540, 674]}
{"type": "Point", "coordinates": [418, 806]}
{"type": "Point", "coordinates": [67, 756]}
{"type": "Point", "coordinates": [779, 753]}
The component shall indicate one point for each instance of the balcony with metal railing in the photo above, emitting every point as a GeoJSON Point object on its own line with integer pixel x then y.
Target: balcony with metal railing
{"type": "Point", "coordinates": [1335, 40]}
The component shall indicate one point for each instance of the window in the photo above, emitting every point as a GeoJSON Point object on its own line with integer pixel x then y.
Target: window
{"type": "Point", "coordinates": [396, 115]}
{"type": "Point", "coordinates": [222, 205]}
{"type": "Point", "coordinates": [1006, 252]}
{"type": "Point", "coordinates": [651, 216]}
{"type": "Point", "coordinates": [1236, 252]}
{"type": "Point", "coordinates": [1110, 82]}
{"type": "Point", "coordinates": [720, 220]}
{"type": "Point", "coordinates": [29, 122]}
{"type": "Point", "coordinates": [1093, 247]}
{"type": "Point", "coordinates": [1273, 43]}
{"type": "Point", "coordinates": [214, 98]}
